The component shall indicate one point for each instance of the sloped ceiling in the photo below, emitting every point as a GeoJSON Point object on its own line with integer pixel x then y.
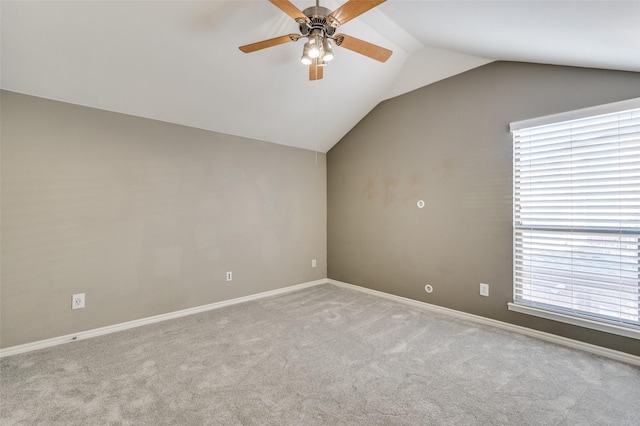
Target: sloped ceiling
{"type": "Point", "coordinates": [178, 61]}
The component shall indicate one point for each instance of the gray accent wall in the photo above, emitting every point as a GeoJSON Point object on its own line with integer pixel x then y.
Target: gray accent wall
{"type": "Point", "coordinates": [144, 217]}
{"type": "Point", "coordinates": [449, 144]}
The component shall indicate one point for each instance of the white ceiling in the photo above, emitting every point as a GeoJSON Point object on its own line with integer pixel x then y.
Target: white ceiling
{"type": "Point", "coordinates": [178, 61]}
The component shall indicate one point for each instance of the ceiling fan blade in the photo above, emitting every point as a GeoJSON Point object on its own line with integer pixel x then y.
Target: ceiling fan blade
{"type": "Point", "coordinates": [315, 71]}
{"type": "Point", "coordinates": [269, 43]}
{"type": "Point", "coordinates": [290, 9]}
{"type": "Point", "coordinates": [363, 47]}
{"type": "Point", "coordinates": [350, 10]}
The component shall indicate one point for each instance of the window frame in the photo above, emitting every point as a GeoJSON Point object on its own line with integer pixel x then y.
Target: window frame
{"type": "Point", "coordinates": [586, 321]}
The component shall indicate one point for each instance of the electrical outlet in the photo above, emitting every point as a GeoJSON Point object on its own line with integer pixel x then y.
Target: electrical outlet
{"type": "Point", "coordinates": [313, 263]}
{"type": "Point", "coordinates": [484, 289]}
{"type": "Point", "coordinates": [77, 301]}
{"type": "Point", "coordinates": [229, 276]}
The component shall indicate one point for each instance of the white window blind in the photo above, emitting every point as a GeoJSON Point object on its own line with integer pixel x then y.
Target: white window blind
{"type": "Point", "coordinates": [577, 216]}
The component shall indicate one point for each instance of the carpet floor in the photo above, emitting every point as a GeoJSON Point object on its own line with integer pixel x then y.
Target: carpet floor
{"type": "Point", "coordinates": [320, 356]}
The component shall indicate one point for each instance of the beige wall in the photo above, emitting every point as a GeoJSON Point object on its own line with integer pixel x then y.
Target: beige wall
{"type": "Point", "coordinates": [144, 217]}
{"type": "Point", "coordinates": [449, 145]}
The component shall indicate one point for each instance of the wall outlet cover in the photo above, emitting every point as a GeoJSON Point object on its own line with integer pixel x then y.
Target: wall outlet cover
{"type": "Point", "coordinates": [484, 289]}
{"type": "Point", "coordinates": [77, 301]}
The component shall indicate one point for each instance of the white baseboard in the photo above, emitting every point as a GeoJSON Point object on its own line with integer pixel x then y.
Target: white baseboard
{"type": "Point", "coordinates": [575, 344]}
{"type": "Point", "coordinates": [41, 344]}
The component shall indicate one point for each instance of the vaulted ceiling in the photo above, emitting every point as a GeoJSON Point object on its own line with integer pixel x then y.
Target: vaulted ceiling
{"type": "Point", "coordinates": [178, 61]}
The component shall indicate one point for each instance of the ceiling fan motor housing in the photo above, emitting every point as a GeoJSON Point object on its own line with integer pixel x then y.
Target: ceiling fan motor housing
{"type": "Point", "coordinates": [317, 21]}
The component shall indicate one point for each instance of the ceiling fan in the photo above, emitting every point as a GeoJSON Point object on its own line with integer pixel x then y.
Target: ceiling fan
{"type": "Point", "coordinates": [318, 24]}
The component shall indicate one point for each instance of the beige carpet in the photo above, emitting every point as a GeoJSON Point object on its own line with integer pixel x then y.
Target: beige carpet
{"type": "Point", "coordinates": [320, 356]}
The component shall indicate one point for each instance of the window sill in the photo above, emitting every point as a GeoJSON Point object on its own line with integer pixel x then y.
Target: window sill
{"type": "Point", "coordinates": [582, 322]}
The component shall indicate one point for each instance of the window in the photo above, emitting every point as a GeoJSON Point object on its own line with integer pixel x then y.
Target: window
{"type": "Point", "coordinates": [576, 220]}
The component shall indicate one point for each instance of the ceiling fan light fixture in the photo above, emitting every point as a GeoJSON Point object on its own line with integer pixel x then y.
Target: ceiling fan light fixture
{"type": "Point", "coordinates": [306, 57]}
{"type": "Point", "coordinates": [306, 60]}
{"type": "Point", "coordinates": [314, 50]}
{"type": "Point", "coordinates": [328, 51]}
